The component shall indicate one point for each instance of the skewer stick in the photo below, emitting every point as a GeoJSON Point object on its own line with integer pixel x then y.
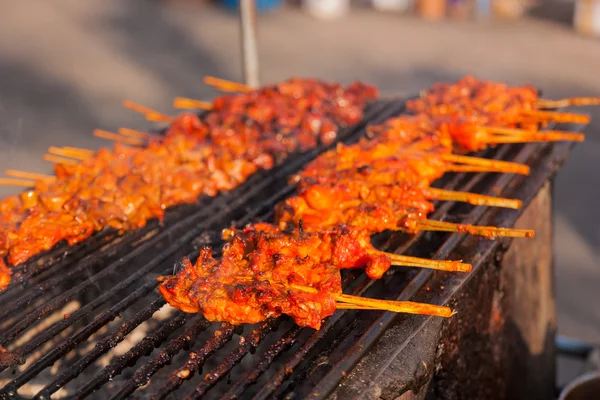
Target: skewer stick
{"type": "Point", "coordinates": [16, 182]}
{"type": "Point", "coordinates": [348, 306]}
{"type": "Point", "coordinates": [29, 175]}
{"type": "Point", "coordinates": [408, 307]}
{"type": "Point", "coordinates": [225, 85]}
{"type": "Point", "coordinates": [374, 304]}
{"type": "Point", "coordinates": [471, 168]}
{"type": "Point", "coordinates": [150, 114]}
{"type": "Point", "coordinates": [558, 116]}
{"type": "Point", "coordinates": [408, 261]}
{"type": "Point", "coordinates": [117, 138]}
{"type": "Point", "coordinates": [487, 231]}
{"type": "Point", "coordinates": [138, 134]}
{"type": "Point", "coordinates": [572, 101]}
{"type": "Point", "coordinates": [466, 197]}
{"type": "Point", "coordinates": [67, 153]}
{"type": "Point", "coordinates": [80, 150]}
{"type": "Point", "coordinates": [185, 103]}
{"type": "Point", "coordinates": [386, 305]}
{"type": "Point", "coordinates": [487, 165]}
{"type": "Point", "coordinates": [59, 160]}
{"type": "Point", "coordinates": [533, 139]}
{"type": "Point", "coordinates": [472, 198]}
{"type": "Point", "coordinates": [521, 135]}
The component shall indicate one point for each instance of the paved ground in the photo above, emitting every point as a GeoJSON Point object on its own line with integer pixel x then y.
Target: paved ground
{"type": "Point", "coordinates": [66, 65]}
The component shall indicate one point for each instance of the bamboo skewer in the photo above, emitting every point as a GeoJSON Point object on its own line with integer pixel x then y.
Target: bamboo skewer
{"type": "Point", "coordinates": [532, 139]}
{"type": "Point", "coordinates": [58, 159]}
{"type": "Point", "coordinates": [557, 116]}
{"type": "Point", "coordinates": [118, 138]}
{"type": "Point", "coordinates": [225, 85]}
{"type": "Point", "coordinates": [17, 182]}
{"type": "Point", "coordinates": [501, 166]}
{"type": "Point", "coordinates": [186, 103]}
{"type": "Point", "coordinates": [472, 198]}
{"type": "Point", "coordinates": [408, 307]}
{"type": "Point", "coordinates": [151, 115]}
{"type": "Point", "coordinates": [407, 261]}
{"type": "Point", "coordinates": [485, 164]}
{"type": "Point", "coordinates": [451, 195]}
{"type": "Point", "coordinates": [473, 168]}
{"type": "Point", "coordinates": [572, 101]}
{"type": "Point", "coordinates": [348, 306]}
{"type": "Point", "coordinates": [487, 231]}
{"type": "Point", "coordinates": [29, 175]}
{"type": "Point", "coordinates": [72, 153]}
{"type": "Point", "coordinates": [507, 135]}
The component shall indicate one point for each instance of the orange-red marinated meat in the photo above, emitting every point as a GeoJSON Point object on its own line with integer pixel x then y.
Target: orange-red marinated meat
{"type": "Point", "coordinates": [340, 246]}
{"type": "Point", "coordinates": [482, 102]}
{"type": "Point", "coordinates": [5, 274]}
{"type": "Point", "coordinates": [236, 290]}
{"type": "Point", "coordinates": [125, 187]}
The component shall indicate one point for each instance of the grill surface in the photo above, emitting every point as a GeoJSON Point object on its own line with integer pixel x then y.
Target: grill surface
{"type": "Point", "coordinates": [90, 323]}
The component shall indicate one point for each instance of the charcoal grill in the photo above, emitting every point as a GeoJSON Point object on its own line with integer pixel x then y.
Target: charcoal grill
{"type": "Point", "coordinates": [88, 322]}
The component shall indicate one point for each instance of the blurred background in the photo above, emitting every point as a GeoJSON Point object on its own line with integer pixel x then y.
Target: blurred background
{"type": "Point", "coordinates": [66, 66]}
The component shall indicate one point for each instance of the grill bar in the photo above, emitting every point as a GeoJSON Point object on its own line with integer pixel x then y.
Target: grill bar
{"type": "Point", "coordinates": [248, 343]}
{"type": "Point", "coordinates": [25, 274]}
{"type": "Point", "coordinates": [197, 359]}
{"type": "Point", "coordinates": [285, 370]}
{"type": "Point", "coordinates": [143, 375]}
{"type": "Point", "coordinates": [108, 343]}
{"type": "Point", "coordinates": [64, 298]}
{"type": "Point", "coordinates": [287, 341]}
{"type": "Point", "coordinates": [70, 343]}
{"type": "Point", "coordinates": [138, 351]}
{"type": "Point", "coordinates": [77, 315]}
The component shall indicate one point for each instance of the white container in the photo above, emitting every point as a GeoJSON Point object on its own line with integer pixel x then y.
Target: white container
{"type": "Point", "coordinates": [392, 5]}
{"type": "Point", "coordinates": [327, 9]}
{"type": "Point", "coordinates": [587, 17]}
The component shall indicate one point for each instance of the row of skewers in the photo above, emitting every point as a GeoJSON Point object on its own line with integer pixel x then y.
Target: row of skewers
{"type": "Point", "coordinates": [346, 195]}
{"type": "Point", "coordinates": [145, 174]}
{"type": "Point", "coordinates": [379, 184]}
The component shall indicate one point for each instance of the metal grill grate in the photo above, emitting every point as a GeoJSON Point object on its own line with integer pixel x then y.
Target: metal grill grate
{"type": "Point", "coordinates": [185, 355]}
{"type": "Point", "coordinates": [91, 273]}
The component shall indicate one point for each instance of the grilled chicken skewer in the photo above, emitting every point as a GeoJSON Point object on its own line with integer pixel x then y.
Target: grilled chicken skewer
{"type": "Point", "coordinates": [251, 286]}
{"type": "Point", "coordinates": [145, 174]}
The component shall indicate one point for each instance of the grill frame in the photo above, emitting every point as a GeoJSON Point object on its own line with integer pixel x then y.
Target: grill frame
{"type": "Point", "coordinates": [313, 384]}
